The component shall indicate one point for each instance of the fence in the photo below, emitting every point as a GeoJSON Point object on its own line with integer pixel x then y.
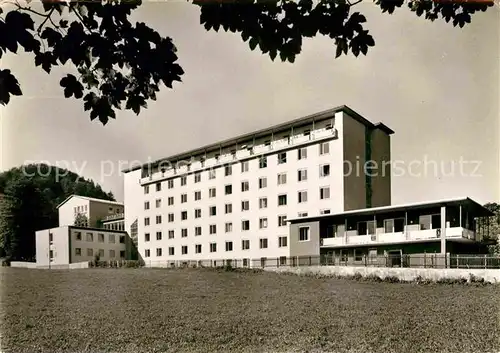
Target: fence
{"type": "Point", "coordinates": [385, 261]}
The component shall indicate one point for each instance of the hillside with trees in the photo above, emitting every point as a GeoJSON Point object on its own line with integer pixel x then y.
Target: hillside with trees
{"type": "Point", "coordinates": [32, 193]}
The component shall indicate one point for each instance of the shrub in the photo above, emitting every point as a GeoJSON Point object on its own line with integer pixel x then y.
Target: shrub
{"type": "Point", "coordinates": [373, 278]}
{"type": "Point", "coordinates": [392, 279]}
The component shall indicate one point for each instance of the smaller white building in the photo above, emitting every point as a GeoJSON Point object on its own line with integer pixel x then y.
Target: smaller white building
{"type": "Point", "coordinates": [61, 246]}
{"type": "Point", "coordinates": [95, 210]}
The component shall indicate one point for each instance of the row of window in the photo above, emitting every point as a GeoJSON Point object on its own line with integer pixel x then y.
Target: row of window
{"type": "Point", "coordinates": [114, 226]}
{"type": "Point", "coordinates": [245, 245]}
{"type": "Point", "coordinates": [324, 148]}
{"type": "Point", "coordinates": [90, 252]}
{"type": "Point", "coordinates": [89, 237]}
{"type": "Point", "coordinates": [245, 186]}
{"type": "Point", "coordinates": [245, 206]}
{"type": "Point", "coordinates": [80, 209]}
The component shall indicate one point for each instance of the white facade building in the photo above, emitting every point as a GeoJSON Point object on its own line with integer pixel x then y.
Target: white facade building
{"type": "Point", "coordinates": [231, 200]}
{"type": "Point", "coordinates": [95, 210]}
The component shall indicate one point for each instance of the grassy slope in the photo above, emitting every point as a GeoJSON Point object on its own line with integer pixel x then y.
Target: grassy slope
{"type": "Point", "coordinates": [204, 311]}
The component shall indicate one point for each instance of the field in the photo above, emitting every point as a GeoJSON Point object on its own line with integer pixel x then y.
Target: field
{"type": "Point", "coordinates": [146, 310]}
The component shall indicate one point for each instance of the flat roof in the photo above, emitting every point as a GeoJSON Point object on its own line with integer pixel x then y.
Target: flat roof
{"type": "Point", "coordinates": [90, 199]}
{"type": "Point", "coordinates": [259, 133]}
{"type": "Point", "coordinates": [481, 210]}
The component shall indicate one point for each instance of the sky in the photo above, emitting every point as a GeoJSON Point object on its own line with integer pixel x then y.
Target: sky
{"type": "Point", "coordinates": [435, 85]}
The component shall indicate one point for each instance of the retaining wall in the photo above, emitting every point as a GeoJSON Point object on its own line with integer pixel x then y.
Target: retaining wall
{"type": "Point", "coordinates": [404, 274]}
{"type": "Point", "coordinates": [20, 264]}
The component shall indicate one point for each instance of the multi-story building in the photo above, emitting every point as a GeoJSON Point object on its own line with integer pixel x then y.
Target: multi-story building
{"type": "Point", "coordinates": [353, 237]}
{"type": "Point", "coordinates": [58, 247]}
{"type": "Point", "coordinates": [95, 211]}
{"type": "Point", "coordinates": [102, 234]}
{"type": "Point", "coordinates": [231, 199]}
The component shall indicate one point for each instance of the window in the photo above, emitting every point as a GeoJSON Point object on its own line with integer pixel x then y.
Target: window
{"type": "Point", "coordinates": [325, 211]}
{"type": "Point", "coordinates": [281, 221]}
{"type": "Point", "coordinates": [111, 238]}
{"type": "Point", "coordinates": [146, 205]}
{"type": "Point", "coordinates": [78, 252]}
{"type": "Point", "coordinates": [282, 200]}
{"type": "Point", "coordinates": [101, 252]}
{"type": "Point", "coordinates": [229, 227]}
{"type": "Point", "coordinates": [158, 219]}
{"type": "Point", "coordinates": [263, 162]}
{"type": "Point", "coordinates": [90, 237]}
{"type": "Point", "coordinates": [302, 196]}
{"type": "Point", "coordinates": [366, 228]}
{"type": "Point", "coordinates": [171, 251]}
{"type": "Point", "coordinates": [171, 184]}
{"type": "Point", "coordinates": [184, 233]}
{"type": "Point", "coordinates": [245, 225]}
{"type": "Point", "coordinates": [245, 244]}
{"type": "Point", "coordinates": [213, 229]}
{"type": "Point", "coordinates": [158, 235]}
{"type": "Point", "coordinates": [184, 250]}
{"type": "Point", "coordinates": [197, 195]}
{"type": "Point", "coordinates": [184, 198]}
{"type": "Point", "coordinates": [158, 251]}
{"type": "Point", "coordinates": [100, 238]}
{"type": "Point", "coordinates": [197, 249]}
{"type": "Point", "coordinates": [263, 202]}
{"type": "Point", "coordinates": [213, 247]}
{"type": "Point", "coordinates": [211, 192]}
{"type": "Point", "coordinates": [324, 148]}
{"type": "Point", "coordinates": [197, 213]}
{"type": "Point", "coordinates": [78, 235]}
{"type": "Point", "coordinates": [146, 189]}
{"type": "Point", "coordinates": [183, 180]}
{"type": "Point", "coordinates": [170, 200]}
{"type": "Point", "coordinates": [51, 237]}
{"type": "Point", "coordinates": [171, 217]}
{"type": "Point", "coordinates": [197, 177]}
{"type": "Point", "coordinates": [324, 170]}
{"type": "Point", "coordinates": [302, 175]}
{"type": "Point", "coordinates": [281, 178]}
{"type": "Point", "coordinates": [245, 205]}
{"type": "Point", "coordinates": [302, 214]}
{"type": "Point", "coordinates": [211, 174]}
{"type": "Point", "coordinates": [171, 234]}
{"type": "Point", "coordinates": [228, 189]}
{"type": "Point", "coordinates": [229, 208]}
{"type": "Point", "coordinates": [244, 186]}
{"type": "Point", "coordinates": [184, 215]}
{"type": "Point", "coordinates": [158, 186]}
{"type": "Point", "coordinates": [122, 239]}
{"type": "Point", "coordinates": [197, 231]}
{"type": "Point", "coordinates": [262, 183]}
{"type": "Point", "coordinates": [324, 193]}
{"type": "Point", "coordinates": [263, 223]}
{"type": "Point", "coordinates": [303, 233]}
{"type": "Point", "coordinates": [158, 203]}
{"type": "Point", "coordinates": [282, 242]}
{"type": "Point", "coordinates": [263, 243]}
{"type": "Point", "coordinates": [229, 246]}
{"type": "Point", "coordinates": [244, 167]}
{"type": "Point", "coordinates": [147, 253]}
{"type": "Point", "coordinates": [394, 225]}
{"type": "Point", "coordinates": [212, 210]}
{"type": "Point", "coordinates": [302, 153]}
{"type": "Point", "coordinates": [228, 170]}
{"type": "Point", "coordinates": [307, 132]}
{"type": "Point", "coordinates": [146, 237]}
{"type": "Point", "coordinates": [282, 158]}
{"type": "Point", "coordinates": [90, 252]}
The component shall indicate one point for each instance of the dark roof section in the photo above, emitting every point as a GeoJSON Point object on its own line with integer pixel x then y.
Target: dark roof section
{"type": "Point", "coordinates": [478, 209]}
{"type": "Point", "coordinates": [259, 133]}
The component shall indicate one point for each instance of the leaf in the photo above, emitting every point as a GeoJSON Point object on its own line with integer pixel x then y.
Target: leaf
{"type": "Point", "coordinates": [253, 43]}
{"type": "Point", "coordinates": [8, 86]}
{"type": "Point", "coordinates": [71, 87]}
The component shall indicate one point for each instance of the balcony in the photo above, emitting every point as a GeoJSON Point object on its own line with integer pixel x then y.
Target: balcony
{"type": "Point", "coordinates": [114, 217]}
{"type": "Point", "coordinates": [399, 237]}
{"type": "Point", "coordinates": [244, 151]}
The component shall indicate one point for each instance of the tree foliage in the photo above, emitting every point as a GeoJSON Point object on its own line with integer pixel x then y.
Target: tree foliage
{"type": "Point", "coordinates": [81, 220]}
{"type": "Point", "coordinates": [118, 64]}
{"type": "Point", "coordinates": [32, 194]}
{"type": "Point", "coordinates": [489, 227]}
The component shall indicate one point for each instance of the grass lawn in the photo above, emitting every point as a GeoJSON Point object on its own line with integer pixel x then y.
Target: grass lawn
{"type": "Point", "coordinates": [147, 310]}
